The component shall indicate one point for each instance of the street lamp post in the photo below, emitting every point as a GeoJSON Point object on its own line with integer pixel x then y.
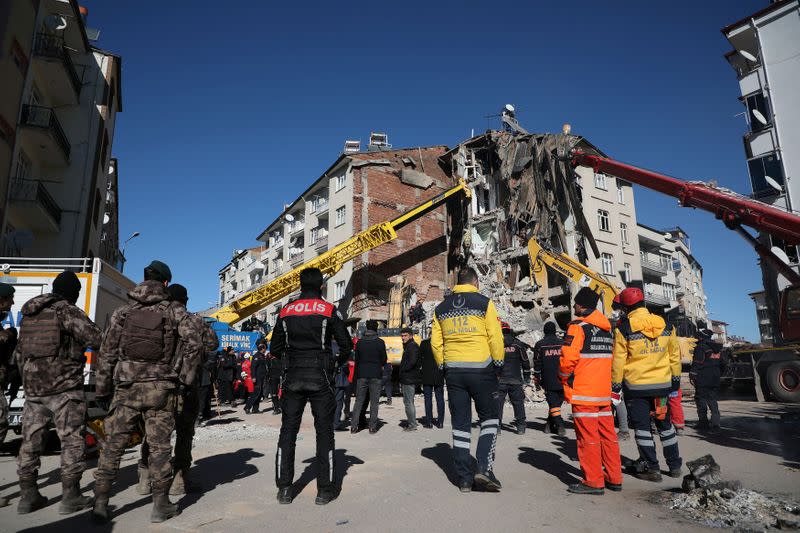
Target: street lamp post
{"type": "Point", "coordinates": [133, 236]}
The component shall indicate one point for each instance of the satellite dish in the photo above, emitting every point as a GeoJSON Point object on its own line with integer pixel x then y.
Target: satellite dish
{"type": "Point", "coordinates": [509, 108]}
{"type": "Point", "coordinates": [110, 169]}
{"type": "Point", "coordinates": [748, 56]}
{"type": "Point", "coordinates": [55, 22]}
{"type": "Point", "coordinates": [289, 218]}
{"type": "Point", "coordinates": [781, 254]}
{"type": "Point", "coordinates": [759, 117]}
{"type": "Point", "coordinates": [106, 218]}
{"type": "Point", "coordinates": [774, 184]}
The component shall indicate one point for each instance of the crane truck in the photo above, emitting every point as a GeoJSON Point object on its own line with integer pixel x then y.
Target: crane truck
{"type": "Point", "coordinates": [775, 371]}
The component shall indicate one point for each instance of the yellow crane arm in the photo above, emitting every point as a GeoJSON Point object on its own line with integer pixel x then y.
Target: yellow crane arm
{"type": "Point", "coordinates": [571, 269]}
{"type": "Point", "coordinates": [331, 261]}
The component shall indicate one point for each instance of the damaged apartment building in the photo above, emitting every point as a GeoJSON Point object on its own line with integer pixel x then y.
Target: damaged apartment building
{"type": "Point", "coordinates": [522, 188]}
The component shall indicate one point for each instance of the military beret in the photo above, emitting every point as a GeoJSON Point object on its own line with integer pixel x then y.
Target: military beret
{"type": "Point", "coordinates": [178, 293]}
{"type": "Point", "coordinates": [161, 268]}
{"type": "Point", "coordinates": [6, 290]}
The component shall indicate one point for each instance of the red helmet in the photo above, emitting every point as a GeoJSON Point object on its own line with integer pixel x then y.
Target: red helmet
{"type": "Point", "coordinates": [616, 300]}
{"type": "Point", "coordinates": [504, 325]}
{"type": "Point", "coordinates": [631, 296]}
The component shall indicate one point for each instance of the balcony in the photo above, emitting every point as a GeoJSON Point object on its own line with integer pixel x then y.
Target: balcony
{"type": "Point", "coordinates": [295, 259]}
{"type": "Point", "coordinates": [297, 226]}
{"type": "Point", "coordinates": [43, 137]}
{"type": "Point", "coordinates": [653, 296]}
{"type": "Point", "coordinates": [54, 69]}
{"type": "Point", "coordinates": [653, 267]}
{"type": "Point", "coordinates": [320, 207]}
{"type": "Point", "coordinates": [321, 242]}
{"type": "Point", "coordinates": [33, 207]}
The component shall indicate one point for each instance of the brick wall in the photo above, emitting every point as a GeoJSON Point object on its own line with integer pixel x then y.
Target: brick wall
{"type": "Point", "coordinates": [419, 252]}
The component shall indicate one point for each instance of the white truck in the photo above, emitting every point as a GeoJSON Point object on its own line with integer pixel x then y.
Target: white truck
{"type": "Point", "coordinates": [103, 289]}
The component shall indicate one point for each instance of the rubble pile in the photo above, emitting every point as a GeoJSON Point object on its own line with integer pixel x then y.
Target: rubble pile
{"type": "Point", "coordinates": [710, 500]}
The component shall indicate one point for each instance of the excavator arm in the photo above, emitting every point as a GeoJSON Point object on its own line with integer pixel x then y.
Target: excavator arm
{"type": "Point", "coordinates": [331, 261]}
{"type": "Point", "coordinates": [571, 269]}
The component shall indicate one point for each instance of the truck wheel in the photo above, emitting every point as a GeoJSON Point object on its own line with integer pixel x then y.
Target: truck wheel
{"type": "Point", "coordinates": [783, 380]}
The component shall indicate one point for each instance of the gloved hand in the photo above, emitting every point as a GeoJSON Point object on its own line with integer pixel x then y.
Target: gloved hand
{"type": "Point", "coordinates": [616, 389]}
{"type": "Point", "coordinates": [673, 394]}
{"type": "Point", "coordinates": [103, 402]}
{"type": "Point", "coordinates": [692, 380]}
{"type": "Point", "coordinates": [527, 377]}
{"type": "Point", "coordinates": [676, 383]}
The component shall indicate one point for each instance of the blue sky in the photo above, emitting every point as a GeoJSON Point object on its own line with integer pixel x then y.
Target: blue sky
{"type": "Point", "coordinates": [231, 109]}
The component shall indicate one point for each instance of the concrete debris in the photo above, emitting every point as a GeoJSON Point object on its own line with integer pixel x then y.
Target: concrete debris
{"type": "Point", "coordinates": [712, 501]}
{"type": "Point", "coordinates": [415, 178]}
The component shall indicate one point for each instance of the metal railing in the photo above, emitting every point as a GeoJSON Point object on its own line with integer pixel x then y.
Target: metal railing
{"type": "Point", "coordinates": [35, 191]}
{"type": "Point", "coordinates": [76, 264]}
{"type": "Point", "coordinates": [655, 298]}
{"type": "Point", "coordinates": [45, 118]}
{"type": "Point", "coordinates": [657, 266]}
{"type": "Point", "coordinates": [321, 242]}
{"type": "Point", "coordinates": [52, 46]}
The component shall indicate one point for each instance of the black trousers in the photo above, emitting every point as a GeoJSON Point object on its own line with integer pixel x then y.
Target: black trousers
{"type": "Point", "coordinates": [364, 386]}
{"type": "Point", "coordinates": [254, 400]}
{"type": "Point", "coordinates": [555, 398]}
{"type": "Point", "coordinates": [204, 394]}
{"type": "Point", "coordinates": [517, 397]}
{"type": "Point", "coordinates": [706, 399]}
{"type": "Point", "coordinates": [293, 403]}
{"type": "Point", "coordinates": [639, 413]}
{"type": "Point", "coordinates": [225, 391]}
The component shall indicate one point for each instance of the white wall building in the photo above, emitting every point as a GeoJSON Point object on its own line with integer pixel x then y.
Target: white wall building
{"type": "Point", "coordinates": [767, 64]}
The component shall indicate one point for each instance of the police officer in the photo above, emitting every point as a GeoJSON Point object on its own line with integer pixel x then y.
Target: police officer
{"type": "Point", "coordinates": [50, 353]}
{"type": "Point", "coordinates": [708, 365]}
{"type": "Point", "coordinates": [8, 341]}
{"type": "Point", "coordinates": [188, 408]}
{"type": "Point", "coordinates": [647, 367]}
{"type": "Point", "coordinates": [466, 339]}
{"type": "Point", "coordinates": [151, 352]}
{"type": "Point", "coordinates": [546, 357]}
{"type": "Point", "coordinates": [274, 372]}
{"type": "Point", "coordinates": [515, 372]}
{"type": "Point", "coordinates": [301, 340]}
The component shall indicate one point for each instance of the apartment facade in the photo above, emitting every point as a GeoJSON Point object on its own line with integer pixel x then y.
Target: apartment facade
{"type": "Point", "coordinates": [764, 57]}
{"type": "Point", "coordinates": [245, 271]}
{"type": "Point", "coordinates": [672, 279]}
{"type": "Point", "coordinates": [58, 117]}
{"type": "Point", "coordinates": [360, 189]}
{"type": "Point", "coordinates": [610, 210]}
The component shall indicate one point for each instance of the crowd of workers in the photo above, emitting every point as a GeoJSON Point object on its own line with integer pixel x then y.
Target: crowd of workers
{"type": "Point", "coordinates": [158, 367]}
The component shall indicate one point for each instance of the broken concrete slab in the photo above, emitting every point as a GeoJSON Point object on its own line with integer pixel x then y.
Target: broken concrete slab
{"type": "Point", "coordinates": [415, 178]}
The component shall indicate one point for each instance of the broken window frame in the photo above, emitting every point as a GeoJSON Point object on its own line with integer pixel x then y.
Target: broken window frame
{"type": "Point", "coordinates": [603, 220]}
{"type": "Point", "coordinates": [607, 263]}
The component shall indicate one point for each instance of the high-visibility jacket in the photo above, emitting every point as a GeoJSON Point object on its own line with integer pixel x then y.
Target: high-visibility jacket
{"type": "Point", "coordinates": [647, 358]}
{"type": "Point", "coordinates": [466, 330]}
{"type": "Point", "coordinates": [586, 355]}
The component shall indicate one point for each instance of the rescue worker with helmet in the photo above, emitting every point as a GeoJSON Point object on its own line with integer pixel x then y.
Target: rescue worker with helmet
{"type": "Point", "coordinates": [647, 367]}
{"type": "Point", "coordinates": [546, 362]}
{"type": "Point", "coordinates": [467, 342]}
{"type": "Point", "coordinates": [512, 376]}
{"type": "Point", "coordinates": [586, 358]}
{"type": "Point", "coordinates": [708, 366]}
{"type": "Point", "coordinates": [53, 337]}
{"type": "Point", "coordinates": [301, 340]}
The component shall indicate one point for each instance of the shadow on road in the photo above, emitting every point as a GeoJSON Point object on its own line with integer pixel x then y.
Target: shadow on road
{"type": "Point", "coordinates": [343, 464]}
{"type": "Point", "coordinates": [223, 421]}
{"type": "Point", "coordinates": [76, 522]}
{"type": "Point", "coordinates": [218, 470]}
{"type": "Point", "coordinates": [550, 462]}
{"type": "Point", "coordinates": [442, 455]}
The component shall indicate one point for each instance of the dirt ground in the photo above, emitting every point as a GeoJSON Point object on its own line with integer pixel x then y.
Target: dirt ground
{"type": "Point", "coordinates": [402, 481]}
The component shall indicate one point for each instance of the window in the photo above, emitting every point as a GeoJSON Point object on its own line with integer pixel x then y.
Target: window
{"type": "Point", "coordinates": [338, 291]}
{"type": "Point", "coordinates": [666, 261]}
{"type": "Point", "coordinates": [758, 110]}
{"type": "Point", "coordinates": [341, 212]}
{"type": "Point", "coordinates": [608, 264]}
{"type": "Point", "coordinates": [623, 230]}
{"type": "Point", "coordinates": [627, 273]}
{"type": "Point", "coordinates": [341, 181]}
{"type": "Point", "coordinates": [767, 165]}
{"type": "Point", "coordinates": [669, 291]}
{"type": "Point", "coordinates": [314, 235]}
{"type": "Point", "coordinates": [600, 181]}
{"type": "Point", "coordinates": [602, 220]}
{"type": "Point", "coordinates": [695, 287]}
{"type": "Point", "coordinates": [620, 193]}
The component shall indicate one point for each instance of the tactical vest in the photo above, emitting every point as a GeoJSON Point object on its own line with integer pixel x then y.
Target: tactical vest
{"type": "Point", "coordinates": [306, 325]}
{"type": "Point", "coordinates": [42, 338]}
{"type": "Point", "coordinates": [597, 342]}
{"type": "Point", "coordinates": [148, 335]}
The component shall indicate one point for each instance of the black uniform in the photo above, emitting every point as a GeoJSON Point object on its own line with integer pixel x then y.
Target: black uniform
{"type": "Point", "coordinates": [546, 361]}
{"type": "Point", "coordinates": [258, 371]}
{"type": "Point", "coordinates": [708, 365]}
{"type": "Point", "coordinates": [515, 372]}
{"type": "Point", "coordinates": [302, 341]}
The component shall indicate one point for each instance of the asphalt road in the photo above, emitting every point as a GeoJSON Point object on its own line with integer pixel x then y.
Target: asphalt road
{"type": "Point", "coordinates": [402, 481]}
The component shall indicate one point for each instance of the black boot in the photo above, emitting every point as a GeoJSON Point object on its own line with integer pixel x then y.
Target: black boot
{"type": "Point", "coordinates": [285, 496]}
{"type": "Point", "coordinates": [71, 499]}
{"type": "Point", "coordinates": [487, 482]}
{"type": "Point", "coordinates": [325, 496]}
{"type": "Point", "coordinates": [163, 509]}
{"type": "Point", "coordinates": [30, 500]}
{"type": "Point", "coordinates": [581, 488]}
{"type": "Point", "coordinates": [102, 491]}
{"type": "Point", "coordinates": [521, 427]}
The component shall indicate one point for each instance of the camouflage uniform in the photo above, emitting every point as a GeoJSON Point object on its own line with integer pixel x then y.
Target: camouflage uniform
{"type": "Point", "coordinates": [8, 341]}
{"type": "Point", "coordinates": [146, 382]}
{"type": "Point", "coordinates": [50, 354]}
{"type": "Point", "coordinates": [187, 403]}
